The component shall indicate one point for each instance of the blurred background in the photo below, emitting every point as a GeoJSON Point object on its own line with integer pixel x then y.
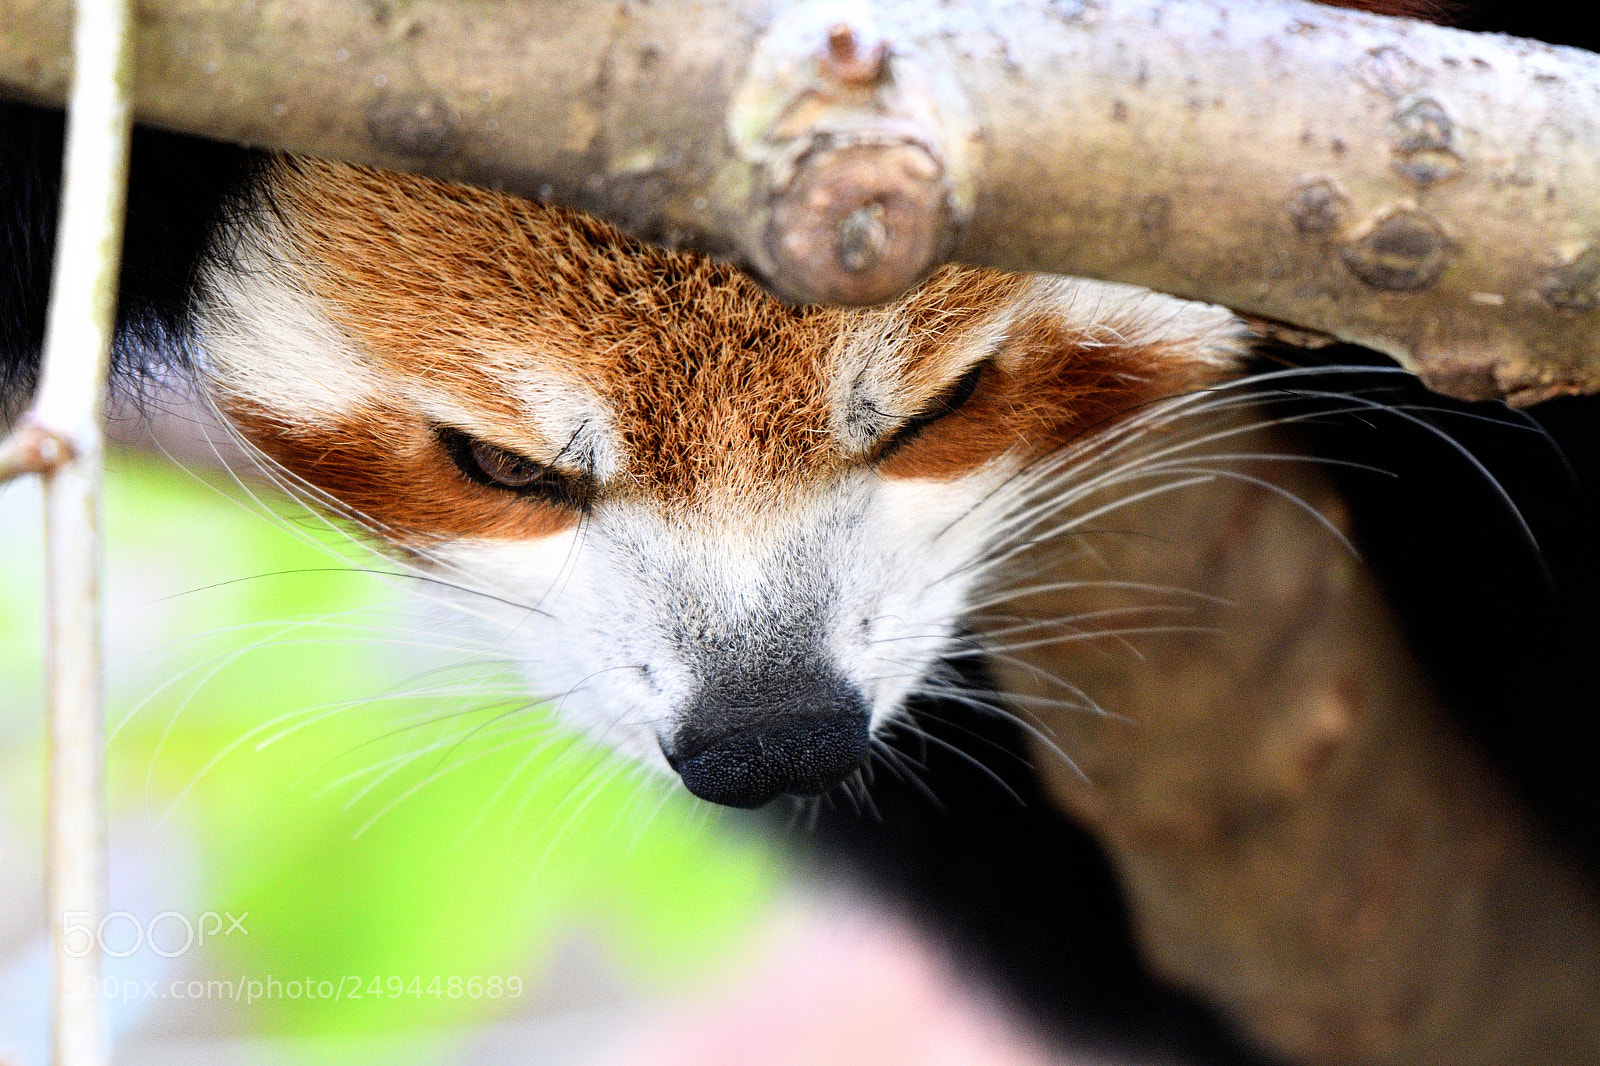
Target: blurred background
{"type": "Point", "coordinates": [337, 835]}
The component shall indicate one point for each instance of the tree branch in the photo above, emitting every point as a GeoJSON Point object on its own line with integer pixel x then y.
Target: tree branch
{"type": "Point", "coordinates": [1430, 193]}
{"type": "Point", "coordinates": [1304, 836]}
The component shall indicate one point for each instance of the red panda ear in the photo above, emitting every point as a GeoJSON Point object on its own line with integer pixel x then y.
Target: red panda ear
{"type": "Point", "coordinates": [1444, 12]}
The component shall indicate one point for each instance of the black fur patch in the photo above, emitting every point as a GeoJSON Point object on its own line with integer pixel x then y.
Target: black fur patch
{"type": "Point", "coordinates": [180, 190]}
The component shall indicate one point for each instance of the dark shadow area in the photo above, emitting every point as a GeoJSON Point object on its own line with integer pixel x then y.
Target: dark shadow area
{"type": "Point", "coordinates": [1569, 23]}
{"type": "Point", "coordinates": [1023, 897]}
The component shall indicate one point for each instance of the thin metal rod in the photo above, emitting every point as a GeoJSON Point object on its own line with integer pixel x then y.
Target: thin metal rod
{"type": "Point", "coordinates": [64, 423]}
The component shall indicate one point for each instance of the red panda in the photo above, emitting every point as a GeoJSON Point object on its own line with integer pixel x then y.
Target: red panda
{"type": "Point", "coordinates": [763, 520]}
{"type": "Point", "coordinates": [736, 537]}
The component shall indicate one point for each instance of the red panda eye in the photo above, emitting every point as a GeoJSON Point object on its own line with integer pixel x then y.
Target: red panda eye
{"type": "Point", "coordinates": [495, 467]}
{"type": "Point", "coordinates": [503, 467]}
{"type": "Point", "coordinates": [947, 403]}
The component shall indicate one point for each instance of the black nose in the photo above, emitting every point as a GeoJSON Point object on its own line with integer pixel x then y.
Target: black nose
{"type": "Point", "coordinates": [742, 743]}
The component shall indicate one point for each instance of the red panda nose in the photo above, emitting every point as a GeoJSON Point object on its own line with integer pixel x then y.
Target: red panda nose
{"type": "Point", "coordinates": [738, 750]}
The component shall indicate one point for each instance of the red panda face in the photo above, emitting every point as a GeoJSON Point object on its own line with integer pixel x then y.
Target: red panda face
{"type": "Point", "coordinates": [731, 536]}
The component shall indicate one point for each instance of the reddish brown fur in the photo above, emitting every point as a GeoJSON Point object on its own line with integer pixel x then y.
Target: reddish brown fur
{"type": "Point", "coordinates": [386, 468]}
{"type": "Point", "coordinates": [715, 384]}
{"type": "Point", "coordinates": [719, 390]}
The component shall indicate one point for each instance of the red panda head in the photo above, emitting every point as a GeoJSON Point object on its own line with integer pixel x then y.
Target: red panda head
{"type": "Point", "coordinates": [733, 534]}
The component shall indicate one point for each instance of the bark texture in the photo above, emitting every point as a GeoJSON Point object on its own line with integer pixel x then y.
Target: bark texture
{"type": "Point", "coordinates": [1431, 193]}
{"type": "Point", "coordinates": [1304, 837]}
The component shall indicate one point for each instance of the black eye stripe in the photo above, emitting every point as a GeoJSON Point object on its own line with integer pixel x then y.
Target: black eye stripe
{"type": "Point", "coordinates": [956, 398]}
{"type": "Point", "coordinates": [497, 468]}
{"type": "Point", "coordinates": [946, 404]}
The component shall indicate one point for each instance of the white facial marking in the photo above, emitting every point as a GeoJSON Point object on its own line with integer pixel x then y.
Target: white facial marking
{"type": "Point", "coordinates": [264, 339]}
{"type": "Point", "coordinates": [563, 424]}
{"type": "Point", "coordinates": [622, 622]}
{"type": "Point", "coordinates": [574, 419]}
{"type": "Point", "coordinates": [870, 394]}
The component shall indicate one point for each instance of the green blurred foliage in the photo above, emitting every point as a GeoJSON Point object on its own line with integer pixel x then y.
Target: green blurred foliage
{"type": "Point", "coordinates": [368, 833]}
